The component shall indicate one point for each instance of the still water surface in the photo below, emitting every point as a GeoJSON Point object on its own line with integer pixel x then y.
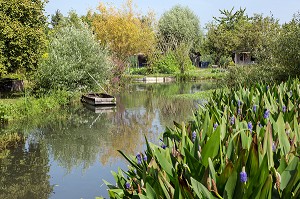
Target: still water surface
{"type": "Point", "coordinates": [68, 153]}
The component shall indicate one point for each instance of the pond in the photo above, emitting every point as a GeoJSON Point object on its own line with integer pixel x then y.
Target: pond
{"type": "Point", "coordinates": [67, 153]}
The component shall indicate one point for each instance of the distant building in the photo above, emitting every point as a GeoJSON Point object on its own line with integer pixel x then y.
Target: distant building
{"type": "Point", "coordinates": [243, 57]}
{"type": "Point", "coordinates": [142, 60]}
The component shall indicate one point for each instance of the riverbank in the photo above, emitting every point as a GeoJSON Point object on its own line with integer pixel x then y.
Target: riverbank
{"type": "Point", "coordinates": [28, 106]}
{"type": "Point", "coordinates": [193, 75]}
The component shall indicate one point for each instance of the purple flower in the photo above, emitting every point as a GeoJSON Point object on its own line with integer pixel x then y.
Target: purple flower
{"type": "Point", "coordinates": [266, 114]}
{"type": "Point", "coordinates": [243, 177]}
{"type": "Point", "coordinates": [250, 126]}
{"type": "Point", "coordinates": [139, 158]}
{"type": "Point", "coordinates": [239, 103]}
{"type": "Point", "coordinates": [254, 108]}
{"type": "Point", "coordinates": [273, 147]}
{"type": "Point", "coordinates": [163, 146]}
{"type": "Point", "coordinates": [239, 111]}
{"type": "Point", "coordinates": [194, 136]}
{"type": "Point", "coordinates": [284, 108]}
{"type": "Point", "coordinates": [232, 120]}
{"type": "Point", "coordinates": [127, 185]}
{"type": "Point", "coordinates": [215, 126]}
{"type": "Point", "coordinates": [145, 158]}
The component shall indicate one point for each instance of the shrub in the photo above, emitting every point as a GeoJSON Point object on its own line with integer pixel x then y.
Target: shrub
{"type": "Point", "coordinates": [166, 64]}
{"type": "Point", "coordinates": [251, 74]}
{"type": "Point", "coordinates": [73, 54]}
{"type": "Point", "coordinates": [139, 71]}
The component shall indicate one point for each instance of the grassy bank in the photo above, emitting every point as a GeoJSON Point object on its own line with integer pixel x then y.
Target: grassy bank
{"type": "Point", "coordinates": [195, 96]}
{"type": "Point", "coordinates": [29, 106]}
{"type": "Point", "coordinates": [195, 74]}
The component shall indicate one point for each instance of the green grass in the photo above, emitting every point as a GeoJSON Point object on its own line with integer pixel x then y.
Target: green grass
{"type": "Point", "coordinates": [19, 108]}
{"type": "Point", "coordinates": [207, 73]}
{"type": "Point", "coordinates": [195, 96]}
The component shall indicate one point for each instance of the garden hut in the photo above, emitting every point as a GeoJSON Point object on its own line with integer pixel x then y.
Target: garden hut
{"type": "Point", "coordinates": [243, 57]}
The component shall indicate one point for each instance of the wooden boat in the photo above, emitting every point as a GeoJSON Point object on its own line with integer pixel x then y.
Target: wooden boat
{"type": "Point", "coordinates": [98, 99]}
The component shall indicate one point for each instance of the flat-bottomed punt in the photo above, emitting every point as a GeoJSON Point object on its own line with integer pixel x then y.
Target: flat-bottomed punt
{"type": "Point", "coordinates": [98, 99]}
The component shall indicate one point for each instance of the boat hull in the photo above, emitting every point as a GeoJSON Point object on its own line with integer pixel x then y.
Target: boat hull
{"type": "Point", "coordinates": [98, 99]}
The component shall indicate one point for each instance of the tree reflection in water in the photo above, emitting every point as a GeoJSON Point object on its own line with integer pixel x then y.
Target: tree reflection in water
{"type": "Point", "coordinates": [24, 173]}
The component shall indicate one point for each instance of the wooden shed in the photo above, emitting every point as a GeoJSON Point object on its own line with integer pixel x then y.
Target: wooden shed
{"type": "Point", "coordinates": [243, 57]}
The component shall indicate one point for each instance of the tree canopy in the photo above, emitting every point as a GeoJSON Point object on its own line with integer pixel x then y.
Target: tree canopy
{"type": "Point", "coordinates": [124, 31]}
{"type": "Point", "coordinates": [178, 25]}
{"type": "Point", "coordinates": [22, 35]}
{"type": "Point", "coordinates": [73, 54]}
{"type": "Point", "coordinates": [236, 31]}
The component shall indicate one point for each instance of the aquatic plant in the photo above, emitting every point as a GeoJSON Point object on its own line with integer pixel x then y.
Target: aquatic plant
{"type": "Point", "coordinates": [224, 161]}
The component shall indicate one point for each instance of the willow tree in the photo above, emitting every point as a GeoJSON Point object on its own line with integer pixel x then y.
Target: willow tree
{"type": "Point", "coordinates": [123, 30]}
{"type": "Point", "coordinates": [177, 26]}
{"type": "Point", "coordinates": [179, 33]}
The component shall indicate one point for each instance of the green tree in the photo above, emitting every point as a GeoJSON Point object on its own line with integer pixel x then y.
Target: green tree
{"type": "Point", "coordinates": [56, 18]}
{"type": "Point", "coordinates": [287, 47]}
{"type": "Point", "coordinates": [178, 34]}
{"type": "Point", "coordinates": [227, 34]}
{"type": "Point", "coordinates": [178, 25]}
{"type": "Point", "coordinates": [22, 36]}
{"type": "Point", "coordinates": [73, 54]}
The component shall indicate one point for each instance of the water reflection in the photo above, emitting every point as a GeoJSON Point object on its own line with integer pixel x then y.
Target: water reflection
{"type": "Point", "coordinates": [24, 172]}
{"type": "Point", "coordinates": [88, 138]}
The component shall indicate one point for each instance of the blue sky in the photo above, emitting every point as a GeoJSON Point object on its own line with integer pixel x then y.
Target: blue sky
{"type": "Point", "coordinates": [205, 9]}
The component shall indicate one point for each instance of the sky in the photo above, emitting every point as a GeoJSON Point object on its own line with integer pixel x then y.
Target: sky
{"type": "Point", "coordinates": [282, 10]}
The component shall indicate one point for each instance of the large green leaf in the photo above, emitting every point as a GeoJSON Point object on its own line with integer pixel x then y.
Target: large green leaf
{"type": "Point", "coordinates": [211, 148]}
{"type": "Point", "coordinates": [230, 186]}
{"type": "Point", "coordinates": [289, 172]}
{"type": "Point", "coordinates": [200, 190]}
{"type": "Point", "coordinates": [150, 192]}
{"type": "Point", "coordinates": [283, 139]}
{"type": "Point", "coordinates": [266, 191]}
{"type": "Point", "coordinates": [195, 165]}
{"type": "Point", "coordinates": [164, 159]}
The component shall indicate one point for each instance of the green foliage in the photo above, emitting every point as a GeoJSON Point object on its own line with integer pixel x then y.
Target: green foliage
{"type": "Point", "coordinates": [288, 47]}
{"type": "Point", "coordinates": [73, 54]}
{"type": "Point", "coordinates": [252, 74]}
{"type": "Point", "coordinates": [178, 25]}
{"type": "Point", "coordinates": [166, 63]}
{"type": "Point", "coordinates": [252, 131]}
{"type": "Point", "coordinates": [30, 106]}
{"type": "Point", "coordinates": [56, 18]}
{"type": "Point", "coordinates": [139, 71]}
{"type": "Point", "coordinates": [225, 61]}
{"type": "Point", "coordinates": [236, 31]}
{"type": "Point", "coordinates": [22, 37]}
{"type": "Point", "coordinates": [178, 34]}
{"type": "Point", "coordinates": [208, 58]}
